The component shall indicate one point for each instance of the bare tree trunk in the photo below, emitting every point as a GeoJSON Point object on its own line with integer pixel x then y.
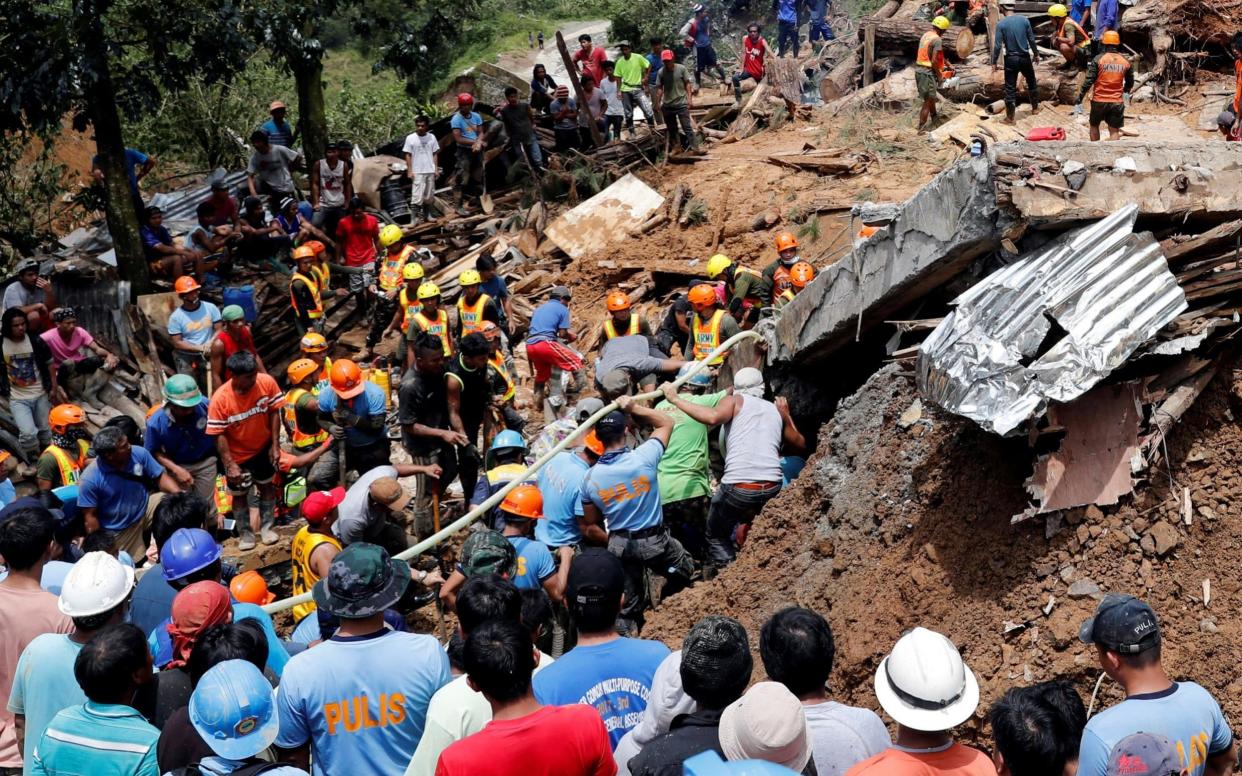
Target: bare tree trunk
{"type": "Point", "coordinates": [977, 83]}
{"type": "Point", "coordinates": [312, 115]}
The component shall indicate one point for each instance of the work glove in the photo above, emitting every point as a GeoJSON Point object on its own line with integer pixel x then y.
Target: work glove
{"type": "Point", "coordinates": [1078, 109]}
{"type": "Point", "coordinates": [949, 83]}
{"type": "Point", "coordinates": [345, 418]}
{"type": "Point", "coordinates": [336, 431]}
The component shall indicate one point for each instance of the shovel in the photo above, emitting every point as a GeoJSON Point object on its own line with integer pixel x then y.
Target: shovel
{"type": "Point", "coordinates": [485, 199]}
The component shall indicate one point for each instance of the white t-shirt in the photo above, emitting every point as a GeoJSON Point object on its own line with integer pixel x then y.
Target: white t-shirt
{"type": "Point", "coordinates": [612, 94]}
{"type": "Point", "coordinates": [422, 150]}
{"type": "Point", "coordinates": [25, 381]}
{"type": "Point", "coordinates": [843, 736]}
{"type": "Point", "coordinates": [332, 184]}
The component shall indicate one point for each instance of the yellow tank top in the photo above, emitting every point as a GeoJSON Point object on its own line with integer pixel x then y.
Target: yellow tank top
{"type": "Point", "coordinates": [304, 578]}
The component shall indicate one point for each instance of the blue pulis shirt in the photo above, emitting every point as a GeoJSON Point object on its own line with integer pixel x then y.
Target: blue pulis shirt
{"type": "Point", "coordinates": [560, 482]}
{"type": "Point", "coordinates": [184, 443]}
{"type": "Point", "coordinates": [534, 563]}
{"type": "Point", "coordinates": [624, 486]}
{"type": "Point", "coordinates": [613, 678]}
{"type": "Point", "coordinates": [368, 403]}
{"type": "Point", "coordinates": [548, 318]}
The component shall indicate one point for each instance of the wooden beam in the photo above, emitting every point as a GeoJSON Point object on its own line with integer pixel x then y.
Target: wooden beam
{"type": "Point", "coordinates": [573, 79]}
{"type": "Point", "coordinates": [868, 53]}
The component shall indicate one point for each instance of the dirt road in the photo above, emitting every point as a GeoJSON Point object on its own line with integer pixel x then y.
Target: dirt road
{"type": "Point", "coordinates": [523, 62]}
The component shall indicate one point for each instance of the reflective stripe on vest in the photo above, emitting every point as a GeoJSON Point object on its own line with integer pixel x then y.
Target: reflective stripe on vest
{"type": "Point", "coordinates": [438, 327]}
{"type": "Point", "coordinates": [707, 339]}
{"type": "Point", "coordinates": [300, 439]}
{"type": "Point", "coordinates": [70, 468]}
{"type": "Point", "coordinates": [471, 316]}
{"type": "Point", "coordinates": [610, 329]}
{"type": "Point", "coordinates": [497, 362]}
{"type": "Point", "coordinates": [1076, 28]}
{"type": "Point", "coordinates": [1110, 78]}
{"type": "Point", "coordinates": [316, 311]}
{"type": "Point", "coordinates": [391, 268]}
{"type": "Point", "coordinates": [411, 307]}
{"type": "Point", "coordinates": [304, 578]}
{"type": "Point", "coordinates": [924, 58]}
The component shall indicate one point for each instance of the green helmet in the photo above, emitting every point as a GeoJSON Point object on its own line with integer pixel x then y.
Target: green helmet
{"type": "Point", "coordinates": [182, 391]}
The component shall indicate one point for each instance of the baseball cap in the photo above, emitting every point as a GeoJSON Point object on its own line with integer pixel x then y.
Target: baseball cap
{"type": "Point", "coordinates": [560, 292]}
{"type": "Point", "coordinates": [624, 44]}
{"type": "Point", "coordinates": [233, 312]}
{"type": "Point", "coordinates": [488, 552]}
{"type": "Point", "coordinates": [767, 723]}
{"type": "Point", "coordinates": [611, 427]}
{"type": "Point", "coordinates": [1122, 623]}
{"type": "Point", "coordinates": [595, 577]}
{"type": "Point", "coordinates": [387, 491]}
{"type": "Point", "coordinates": [1144, 754]}
{"type": "Point", "coordinates": [586, 408]}
{"type": "Point", "coordinates": [666, 55]}
{"type": "Point", "coordinates": [715, 661]}
{"type": "Point", "coordinates": [615, 382]}
{"type": "Point", "coordinates": [362, 581]}
{"type": "Point", "coordinates": [276, 105]}
{"type": "Point", "coordinates": [319, 505]}
{"type": "Point", "coordinates": [27, 264]}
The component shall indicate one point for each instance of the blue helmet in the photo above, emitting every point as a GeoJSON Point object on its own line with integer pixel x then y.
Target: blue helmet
{"type": "Point", "coordinates": [233, 709]}
{"type": "Point", "coordinates": [507, 440]}
{"type": "Point", "coordinates": [710, 764]}
{"type": "Point", "coordinates": [700, 379]}
{"type": "Point", "coordinates": [186, 551]}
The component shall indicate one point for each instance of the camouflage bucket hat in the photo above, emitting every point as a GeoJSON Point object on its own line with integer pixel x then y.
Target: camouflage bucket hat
{"type": "Point", "coordinates": [361, 581]}
{"type": "Point", "coordinates": [487, 552]}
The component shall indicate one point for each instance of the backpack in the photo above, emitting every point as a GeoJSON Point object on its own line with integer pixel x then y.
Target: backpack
{"type": "Point", "coordinates": [251, 768]}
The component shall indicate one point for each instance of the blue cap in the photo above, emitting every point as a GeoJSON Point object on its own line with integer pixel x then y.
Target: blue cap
{"type": "Point", "coordinates": [710, 763]}
{"type": "Point", "coordinates": [700, 379]}
{"type": "Point", "coordinates": [234, 710]}
{"type": "Point", "coordinates": [186, 551]}
{"type": "Point", "coordinates": [1122, 623]}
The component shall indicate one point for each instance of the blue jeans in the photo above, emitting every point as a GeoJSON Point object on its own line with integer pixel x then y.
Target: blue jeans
{"type": "Point", "coordinates": [532, 149]}
{"type": "Point", "coordinates": [737, 82]}
{"type": "Point", "coordinates": [787, 36]}
{"type": "Point", "coordinates": [30, 415]}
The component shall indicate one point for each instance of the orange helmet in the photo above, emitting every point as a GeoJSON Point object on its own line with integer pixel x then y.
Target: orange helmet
{"type": "Point", "coordinates": [346, 379]}
{"type": "Point", "coordinates": [800, 274]}
{"type": "Point", "coordinates": [785, 241]}
{"type": "Point", "coordinates": [702, 295]}
{"type": "Point", "coordinates": [303, 252]}
{"type": "Point", "coordinates": [593, 444]}
{"type": "Point", "coordinates": [185, 284]}
{"type": "Point", "coordinates": [249, 587]}
{"type": "Point", "coordinates": [301, 369]}
{"type": "Point", "coordinates": [618, 300]}
{"type": "Point", "coordinates": [1111, 38]}
{"type": "Point", "coordinates": [524, 501]}
{"type": "Point", "coordinates": [315, 246]}
{"type": "Point", "coordinates": [65, 415]}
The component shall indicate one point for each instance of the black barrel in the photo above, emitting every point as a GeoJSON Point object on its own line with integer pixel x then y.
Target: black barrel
{"type": "Point", "coordinates": [394, 195]}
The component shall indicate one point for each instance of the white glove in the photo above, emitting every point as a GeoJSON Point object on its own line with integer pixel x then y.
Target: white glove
{"type": "Point", "coordinates": [949, 83]}
{"type": "Point", "coordinates": [1078, 109]}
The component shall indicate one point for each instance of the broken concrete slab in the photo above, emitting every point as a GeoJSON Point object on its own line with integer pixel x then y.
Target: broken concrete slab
{"type": "Point", "coordinates": [597, 222]}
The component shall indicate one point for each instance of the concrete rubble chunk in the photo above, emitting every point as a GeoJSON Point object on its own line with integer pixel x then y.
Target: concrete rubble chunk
{"type": "Point", "coordinates": [1165, 538]}
{"type": "Point", "coordinates": [1084, 588]}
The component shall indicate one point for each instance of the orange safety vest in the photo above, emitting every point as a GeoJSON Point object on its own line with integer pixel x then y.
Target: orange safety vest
{"type": "Point", "coordinates": [302, 441]}
{"type": "Point", "coordinates": [1110, 77]}
{"type": "Point", "coordinates": [610, 329]}
{"type": "Point", "coordinates": [70, 468]}
{"type": "Point", "coordinates": [304, 578]}
{"type": "Point", "coordinates": [471, 316]}
{"type": "Point", "coordinates": [315, 312]}
{"type": "Point", "coordinates": [410, 306]}
{"type": "Point", "coordinates": [497, 362]}
{"type": "Point", "coordinates": [438, 327]}
{"type": "Point", "coordinates": [781, 282]}
{"type": "Point", "coordinates": [924, 58]}
{"type": "Point", "coordinates": [1076, 29]}
{"type": "Point", "coordinates": [390, 269]}
{"type": "Point", "coordinates": [707, 338]}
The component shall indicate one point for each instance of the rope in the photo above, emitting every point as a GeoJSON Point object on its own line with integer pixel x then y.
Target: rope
{"type": "Point", "coordinates": [482, 509]}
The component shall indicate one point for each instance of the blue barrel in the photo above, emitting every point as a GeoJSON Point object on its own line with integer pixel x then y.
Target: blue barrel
{"type": "Point", "coordinates": [243, 297]}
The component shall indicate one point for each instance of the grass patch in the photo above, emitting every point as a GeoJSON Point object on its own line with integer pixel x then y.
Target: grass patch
{"type": "Point", "coordinates": [507, 32]}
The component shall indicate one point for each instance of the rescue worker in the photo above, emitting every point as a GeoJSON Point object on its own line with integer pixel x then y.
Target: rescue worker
{"type": "Point", "coordinates": [473, 306]}
{"type": "Point", "coordinates": [1016, 36]}
{"type": "Point", "coordinates": [64, 459]}
{"type": "Point", "coordinates": [353, 410]}
{"type": "Point", "coordinates": [304, 291]}
{"type": "Point", "coordinates": [321, 268]}
{"type": "Point", "coordinates": [521, 510]}
{"type": "Point", "coordinates": [621, 320]}
{"type": "Point", "coordinates": [684, 473]}
{"type": "Point", "coordinates": [776, 274]}
{"type": "Point", "coordinates": [1070, 38]}
{"type": "Point", "coordinates": [467, 393]}
{"type": "Point", "coordinates": [504, 389]}
{"type": "Point", "coordinates": [176, 436]}
{"type": "Point", "coordinates": [800, 275]}
{"type": "Point", "coordinates": [235, 336]}
{"type": "Point", "coordinates": [431, 319]}
{"type": "Point", "coordinates": [315, 347]}
{"type": "Point", "coordinates": [301, 419]}
{"type": "Point", "coordinates": [407, 300]}
{"type": "Point", "coordinates": [711, 325]}
{"type": "Point", "coordinates": [314, 547]}
{"type": "Point", "coordinates": [1109, 79]}
{"type": "Point", "coordinates": [745, 289]}
{"type": "Point", "coordinates": [1229, 122]}
{"type": "Point", "coordinates": [929, 69]}
{"type": "Point", "coordinates": [504, 462]}
{"type": "Point", "coordinates": [389, 279]}
{"type": "Point", "coordinates": [547, 349]}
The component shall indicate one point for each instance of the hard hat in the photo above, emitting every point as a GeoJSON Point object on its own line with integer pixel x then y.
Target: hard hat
{"type": "Point", "coordinates": [702, 296]}
{"type": "Point", "coordinates": [465, 99]}
{"type": "Point", "coordinates": [1058, 10]}
{"type": "Point", "coordinates": [508, 439]}
{"type": "Point", "coordinates": [346, 379]}
{"type": "Point", "coordinates": [710, 763]}
{"type": "Point", "coordinates": [469, 278]}
{"type": "Point", "coordinates": [390, 234]}
{"type": "Point", "coordinates": [867, 231]}
{"type": "Point", "coordinates": [924, 684]}
{"type": "Point", "coordinates": [717, 264]}
{"type": "Point", "coordinates": [65, 415]}
{"type": "Point", "coordinates": [412, 271]}
{"type": "Point", "coordinates": [490, 330]}
{"type": "Point", "coordinates": [303, 252]}
{"type": "Point", "coordinates": [97, 583]}
{"type": "Point", "coordinates": [618, 300]}
{"type": "Point", "coordinates": [233, 708]}
{"type": "Point", "coordinates": [428, 290]}
{"type": "Point", "coordinates": [1111, 38]}
{"type": "Point", "coordinates": [524, 501]}
{"type": "Point", "coordinates": [301, 369]}
{"type": "Point", "coordinates": [593, 444]}
{"type": "Point", "coordinates": [182, 391]}
{"type": "Point", "coordinates": [186, 551]}
{"type": "Point", "coordinates": [249, 587]}
{"type": "Point", "coordinates": [185, 284]}
{"type": "Point", "coordinates": [800, 274]}
{"type": "Point", "coordinates": [315, 246]}
{"type": "Point", "coordinates": [700, 379]}
{"type": "Point", "coordinates": [785, 241]}
{"type": "Point", "coordinates": [313, 342]}
{"type": "Point", "coordinates": [942, 23]}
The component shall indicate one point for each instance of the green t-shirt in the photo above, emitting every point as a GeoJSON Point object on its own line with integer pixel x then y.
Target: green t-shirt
{"type": "Point", "coordinates": [632, 71]}
{"type": "Point", "coordinates": [683, 471]}
{"type": "Point", "coordinates": [673, 78]}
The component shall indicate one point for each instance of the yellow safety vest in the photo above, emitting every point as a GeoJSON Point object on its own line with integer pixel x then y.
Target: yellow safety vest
{"type": "Point", "coordinates": [70, 468]}
{"type": "Point", "coordinates": [438, 327]}
{"type": "Point", "coordinates": [497, 362]}
{"type": "Point", "coordinates": [707, 338]}
{"type": "Point", "coordinates": [301, 440]}
{"type": "Point", "coordinates": [410, 306]}
{"type": "Point", "coordinates": [784, 298]}
{"type": "Point", "coordinates": [390, 269]}
{"type": "Point", "coordinates": [471, 316]}
{"type": "Point", "coordinates": [304, 578]}
{"type": "Point", "coordinates": [610, 329]}
{"type": "Point", "coordinates": [315, 312]}
{"type": "Point", "coordinates": [323, 274]}
{"type": "Point", "coordinates": [325, 374]}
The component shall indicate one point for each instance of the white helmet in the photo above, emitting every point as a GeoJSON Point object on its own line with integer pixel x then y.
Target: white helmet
{"type": "Point", "coordinates": [96, 583]}
{"type": "Point", "coordinates": [924, 685]}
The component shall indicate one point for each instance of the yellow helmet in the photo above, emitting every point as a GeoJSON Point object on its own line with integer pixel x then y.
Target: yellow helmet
{"type": "Point", "coordinates": [470, 278]}
{"type": "Point", "coordinates": [428, 290]}
{"type": "Point", "coordinates": [942, 23]}
{"type": "Point", "coordinates": [412, 271]}
{"type": "Point", "coordinates": [717, 264]}
{"type": "Point", "coordinates": [390, 234]}
{"type": "Point", "coordinates": [1058, 10]}
{"type": "Point", "coordinates": [313, 342]}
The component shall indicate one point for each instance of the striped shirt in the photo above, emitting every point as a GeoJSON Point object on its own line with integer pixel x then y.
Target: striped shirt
{"type": "Point", "coordinates": [99, 739]}
{"type": "Point", "coordinates": [243, 417]}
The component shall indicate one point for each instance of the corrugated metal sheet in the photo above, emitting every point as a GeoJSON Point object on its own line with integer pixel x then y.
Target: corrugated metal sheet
{"type": "Point", "coordinates": [1051, 325]}
{"type": "Point", "coordinates": [98, 306]}
{"type": "Point", "coordinates": [179, 205]}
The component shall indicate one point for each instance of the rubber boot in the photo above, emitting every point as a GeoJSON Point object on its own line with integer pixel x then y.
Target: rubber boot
{"type": "Point", "coordinates": [1009, 112]}
{"type": "Point", "coordinates": [241, 515]}
{"type": "Point", "coordinates": [457, 202]}
{"type": "Point", "coordinates": [267, 518]}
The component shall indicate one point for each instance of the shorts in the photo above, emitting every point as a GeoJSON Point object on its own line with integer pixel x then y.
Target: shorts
{"type": "Point", "coordinates": [925, 80]}
{"type": "Point", "coordinates": [1112, 113]}
{"type": "Point", "coordinates": [548, 354]}
{"type": "Point", "coordinates": [259, 467]}
{"type": "Point", "coordinates": [423, 189]}
{"type": "Point", "coordinates": [704, 57]}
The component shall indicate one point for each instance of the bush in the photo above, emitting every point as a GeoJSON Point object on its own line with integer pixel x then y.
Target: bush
{"type": "Point", "coordinates": [29, 187]}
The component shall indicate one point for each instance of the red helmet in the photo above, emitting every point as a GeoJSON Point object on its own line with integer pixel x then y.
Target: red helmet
{"type": "Point", "coordinates": [465, 98]}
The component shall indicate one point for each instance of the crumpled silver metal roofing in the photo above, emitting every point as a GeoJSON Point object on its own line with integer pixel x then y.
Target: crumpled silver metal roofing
{"type": "Point", "coordinates": [1107, 288]}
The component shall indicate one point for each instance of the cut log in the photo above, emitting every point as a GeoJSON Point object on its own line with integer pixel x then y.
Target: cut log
{"type": "Point", "coordinates": [900, 37]}
{"type": "Point", "coordinates": [976, 82]}
{"type": "Point", "coordinates": [758, 222]}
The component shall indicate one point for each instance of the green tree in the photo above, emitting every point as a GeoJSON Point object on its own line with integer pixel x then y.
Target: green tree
{"type": "Point", "coordinates": [94, 59]}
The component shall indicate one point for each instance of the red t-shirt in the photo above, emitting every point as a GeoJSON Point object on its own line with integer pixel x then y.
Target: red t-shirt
{"type": "Point", "coordinates": [357, 239]}
{"type": "Point", "coordinates": [752, 56]}
{"type": "Point", "coordinates": [554, 741]}
{"type": "Point", "coordinates": [593, 63]}
{"type": "Point", "coordinates": [223, 213]}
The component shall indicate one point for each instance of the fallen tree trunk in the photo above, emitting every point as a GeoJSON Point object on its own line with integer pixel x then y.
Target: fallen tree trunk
{"type": "Point", "coordinates": [900, 37]}
{"type": "Point", "coordinates": [976, 82]}
{"type": "Point", "coordinates": [841, 79]}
